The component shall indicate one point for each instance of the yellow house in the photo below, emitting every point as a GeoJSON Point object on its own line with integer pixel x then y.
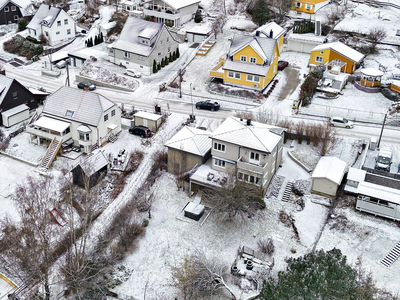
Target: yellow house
{"type": "Point", "coordinates": [251, 62]}
{"type": "Point", "coordinates": [309, 6]}
{"type": "Point", "coordinates": [272, 30]}
{"type": "Point", "coordinates": [336, 56]}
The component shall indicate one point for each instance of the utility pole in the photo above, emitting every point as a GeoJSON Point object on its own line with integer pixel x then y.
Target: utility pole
{"type": "Point", "coordinates": [383, 125]}
{"type": "Point", "coordinates": [180, 83]}
{"type": "Point", "coordinates": [67, 80]}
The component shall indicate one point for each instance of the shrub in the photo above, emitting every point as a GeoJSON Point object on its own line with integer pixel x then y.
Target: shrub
{"type": "Point", "coordinates": [166, 61]}
{"type": "Point", "coordinates": [22, 24]}
{"type": "Point", "coordinates": [197, 17]}
{"type": "Point", "coordinates": [266, 246]}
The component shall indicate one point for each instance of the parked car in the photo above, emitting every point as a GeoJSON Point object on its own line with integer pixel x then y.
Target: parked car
{"type": "Point", "coordinates": [384, 159]}
{"type": "Point", "coordinates": [282, 64]}
{"type": "Point", "coordinates": [140, 130]}
{"type": "Point", "coordinates": [341, 122]}
{"type": "Point", "coordinates": [132, 73]}
{"type": "Point", "coordinates": [208, 104]}
{"type": "Point", "coordinates": [61, 64]}
{"type": "Point", "coordinates": [86, 85]}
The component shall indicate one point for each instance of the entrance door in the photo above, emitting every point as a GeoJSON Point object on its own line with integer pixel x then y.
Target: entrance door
{"type": "Point", "coordinates": [145, 122]}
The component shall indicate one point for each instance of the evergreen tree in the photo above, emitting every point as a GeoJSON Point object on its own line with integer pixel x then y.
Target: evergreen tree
{"type": "Point", "coordinates": [177, 52]}
{"type": "Point", "coordinates": [170, 57]}
{"type": "Point", "coordinates": [154, 67]}
{"type": "Point", "coordinates": [96, 40]}
{"type": "Point", "coordinates": [22, 22]}
{"type": "Point", "coordinates": [197, 17]}
{"type": "Point", "coordinates": [158, 67]}
{"type": "Point", "coordinates": [162, 63]}
{"type": "Point", "coordinates": [260, 12]}
{"type": "Point", "coordinates": [101, 37]}
{"type": "Point", "coordinates": [166, 61]}
{"type": "Point", "coordinates": [174, 56]}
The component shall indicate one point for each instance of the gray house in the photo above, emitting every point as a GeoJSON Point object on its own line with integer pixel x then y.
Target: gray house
{"type": "Point", "coordinates": [140, 44]}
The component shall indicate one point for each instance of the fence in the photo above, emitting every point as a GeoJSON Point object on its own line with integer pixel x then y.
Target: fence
{"type": "Point", "coordinates": [376, 3]}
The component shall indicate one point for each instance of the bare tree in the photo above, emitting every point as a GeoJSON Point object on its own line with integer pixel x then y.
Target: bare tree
{"type": "Point", "coordinates": [218, 25]}
{"type": "Point", "coordinates": [324, 138]}
{"type": "Point", "coordinates": [92, 7]}
{"type": "Point", "coordinates": [199, 275]}
{"type": "Point", "coordinates": [376, 35]}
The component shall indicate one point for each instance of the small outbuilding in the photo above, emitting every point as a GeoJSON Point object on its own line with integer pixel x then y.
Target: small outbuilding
{"type": "Point", "coordinates": [90, 170]}
{"type": "Point", "coordinates": [354, 177]}
{"type": "Point", "coordinates": [15, 115]}
{"type": "Point", "coordinates": [198, 33]}
{"type": "Point", "coordinates": [327, 176]}
{"type": "Point", "coordinates": [150, 120]}
{"type": "Point", "coordinates": [371, 77]}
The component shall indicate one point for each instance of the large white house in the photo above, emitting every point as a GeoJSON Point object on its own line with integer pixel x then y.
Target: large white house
{"type": "Point", "coordinates": [54, 23]}
{"type": "Point", "coordinates": [76, 117]}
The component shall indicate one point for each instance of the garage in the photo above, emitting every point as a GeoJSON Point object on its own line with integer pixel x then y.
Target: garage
{"type": "Point", "coordinates": [15, 115]}
{"type": "Point", "coordinates": [304, 42]}
{"type": "Point", "coordinates": [198, 33]}
{"type": "Point", "coordinates": [327, 176]}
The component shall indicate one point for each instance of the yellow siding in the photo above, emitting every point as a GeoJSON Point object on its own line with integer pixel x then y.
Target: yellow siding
{"type": "Point", "coordinates": [395, 88]}
{"type": "Point", "coordinates": [248, 52]}
{"type": "Point", "coordinates": [303, 5]}
{"type": "Point", "coordinates": [325, 56]}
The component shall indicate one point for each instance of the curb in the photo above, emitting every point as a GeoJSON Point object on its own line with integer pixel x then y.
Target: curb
{"type": "Point", "coordinates": [8, 281]}
{"type": "Point", "coordinates": [308, 170]}
{"type": "Point", "coordinates": [19, 159]}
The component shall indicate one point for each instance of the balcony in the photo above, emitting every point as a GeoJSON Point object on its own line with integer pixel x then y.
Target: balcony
{"type": "Point", "coordinates": [46, 133]}
{"type": "Point", "coordinates": [254, 168]}
{"type": "Point", "coordinates": [159, 11]}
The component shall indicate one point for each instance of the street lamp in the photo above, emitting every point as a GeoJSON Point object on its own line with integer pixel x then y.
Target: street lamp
{"type": "Point", "coordinates": [191, 101]}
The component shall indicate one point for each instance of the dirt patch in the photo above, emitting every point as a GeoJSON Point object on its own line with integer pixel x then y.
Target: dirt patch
{"type": "Point", "coordinates": [292, 82]}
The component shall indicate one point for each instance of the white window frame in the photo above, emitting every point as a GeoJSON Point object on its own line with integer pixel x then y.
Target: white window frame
{"type": "Point", "coordinates": [219, 163]}
{"type": "Point", "coordinates": [321, 52]}
{"type": "Point", "coordinates": [309, 6]}
{"type": "Point", "coordinates": [254, 157]}
{"type": "Point", "coordinates": [243, 58]}
{"type": "Point", "coordinates": [253, 78]}
{"type": "Point", "coordinates": [65, 21]}
{"type": "Point", "coordinates": [16, 17]}
{"type": "Point", "coordinates": [231, 74]}
{"type": "Point", "coordinates": [57, 32]}
{"type": "Point", "coordinates": [68, 31]}
{"type": "Point", "coordinates": [253, 60]}
{"type": "Point", "coordinates": [298, 4]}
{"type": "Point", "coordinates": [319, 59]}
{"type": "Point", "coordinates": [219, 147]}
{"type": "Point", "coordinates": [127, 55]}
{"type": "Point", "coordinates": [240, 176]}
{"type": "Point", "coordinates": [59, 23]}
{"type": "Point", "coordinates": [6, 9]}
{"type": "Point", "coordinates": [237, 76]}
{"type": "Point", "coordinates": [13, 8]}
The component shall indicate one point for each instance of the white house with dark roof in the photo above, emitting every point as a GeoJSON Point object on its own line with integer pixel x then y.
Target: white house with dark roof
{"type": "Point", "coordinates": [54, 23]}
{"type": "Point", "coordinates": [140, 44]}
{"type": "Point", "coordinates": [187, 149]}
{"type": "Point", "coordinates": [76, 117]}
{"type": "Point", "coordinates": [171, 12]}
{"type": "Point", "coordinates": [251, 151]}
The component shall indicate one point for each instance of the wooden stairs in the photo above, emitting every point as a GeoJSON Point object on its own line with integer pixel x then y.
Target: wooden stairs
{"type": "Point", "coordinates": [392, 256]}
{"type": "Point", "coordinates": [34, 118]}
{"type": "Point", "coordinates": [205, 48]}
{"type": "Point", "coordinates": [287, 192]}
{"type": "Point", "coordinates": [51, 153]}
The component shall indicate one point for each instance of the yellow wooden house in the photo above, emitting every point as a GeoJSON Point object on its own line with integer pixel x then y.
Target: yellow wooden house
{"type": "Point", "coordinates": [336, 56]}
{"type": "Point", "coordinates": [308, 6]}
{"type": "Point", "coordinates": [251, 61]}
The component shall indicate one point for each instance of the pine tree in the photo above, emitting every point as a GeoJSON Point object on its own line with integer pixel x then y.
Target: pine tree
{"type": "Point", "coordinates": [197, 16]}
{"type": "Point", "coordinates": [177, 52]}
{"type": "Point", "coordinates": [101, 37]}
{"type": "Point", "coordinates": [260, 11]}
{"type": "Point", "coordinates": [158, 67]}
{"type": "Point", "coordinates": [96, 40]}
{"type": "Point", "coordinates": [166, 61]}
{"type": "Point", "coordinates": [162, 63]}
{"type": "Point", "coordinates": [174, 56]}
{"type": "Point", "coordinates": [170, 57]}
{"type": "Point", "coordinates": [154, 67]}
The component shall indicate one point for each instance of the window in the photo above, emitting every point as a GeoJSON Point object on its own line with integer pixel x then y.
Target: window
{"type": "Point", "coordinates": [16, 17]}
{"type": "Point", "coordinates": [252, 179]}
{"type": "Point", "coordinates": [159, 54]}
{"type": "Point", "coordinates": [46, 33]}
{"type": "Point", "coordinates": [69, 113]}
{"type": "Point", "coordinates": [219, 147]}
{"type": "Point", "coordinates": [68, 31]}
{"type": "Point", "coordinates": [167, 39]}
{"type": "Point", "coordinates": [240, 176]}
{"type": "Point", "coordinates": [254, 156]}
{"type": "Point", "coordinates": [57, 33]}
{"type": "Point", "coordinates": [230, 74]}
{"type": "Point", "coordinates": [265, 178]}
{"type": "Point", "coordinates": [84, 136]}
{"type": "Point", "coordinates": [253, 78]}
{"type": "Point", "coordinates": [127, 55]}
{"type": "Point", "coordinates": [308, 6]}
{"type": "Point", "coordinates": [253, 60]}
{"type": "Point", "coordinates": [219, 163]}
{"type": "Point", "coordinates": [140, 57]}
{"type": "Point", "coordinates": [298, 4]}
{"type": "Point", "coordinates": [162, 42]}
{"type": "Point", "coordinates": [169, 49]}
{"type": "Point", "coordinates": [13, 8]}
{"type": "Point", "coordinates": [15, 95]}
{"type": "Point", "coordinates": [58, 23]}
{"type": "Point", "coordinates": [237, 75]}
{"type": "Point", "coordinates": [65, 21]}
{"type": "Point", "coordinates": [246, 177]}
{"type": "Point", "coordinates": [322, 52]}
{"type": "Point", "coordinates": [233, 75]}
{"type": "Point", "coordinates": [258, 180]}
{"type": "Point", "coordinates": [243, 58]}
{"type": "Point", "coordinates": [113, 113]}
{"type": "Point", "coordinates": [105, 117]}
{"type": "Point", "coordinates": [318, 59]}
{"type": "Point", "coordinates": [6, 9]}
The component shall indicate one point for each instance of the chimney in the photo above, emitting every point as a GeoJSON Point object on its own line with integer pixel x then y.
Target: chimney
{"type": "Point", "coordinates": [248, 122]}
{"type": "Point", "coordinates": [271, 34]}
{"type": "Point", "coordinates": [257, 33]}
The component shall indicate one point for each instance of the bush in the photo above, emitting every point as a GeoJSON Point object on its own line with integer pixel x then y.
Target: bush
{"type": "Point", "coordinates": [197, 17]}
{"type": "Point", "coordinates": [22, 24]}
{"type": "Point", "coordinates": [22, 46]}
{"type": "Point", "coordinates": [266, 246]}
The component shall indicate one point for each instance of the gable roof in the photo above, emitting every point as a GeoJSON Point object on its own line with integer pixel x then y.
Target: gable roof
{"type": "Point", "coordinates": [5, 83]}
{"type": "Point", "coordinates": [133, 28]}
{"type": "Point", "coordinates": [342, 49]}
{"type": "Point", "coordinates": [277, 31]}
{"type": "Point", "coordinates": [5, 2]}
{"type": "Point", "coordinates": [93, 163]}
{"type": "Point", "coordinates": [191, 140]}
{"type": "Point", "coordinates": [331, 168]}
{"type": "Point", "coordinates": [45, 16]}
{"type": "Point", "coordinates": [257, 136]}
{"type": "Point", "coordinates": [178, 3]}
{"type": "Point", "coordinates": [263, 46]}
{"type": "Point", "coordinates": [86, 107]}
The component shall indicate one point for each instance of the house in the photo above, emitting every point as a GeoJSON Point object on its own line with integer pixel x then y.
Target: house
{"type": "Point", "coordinates": [76, 117]}
{"type": "Point", "coordinates": [327, 176]}
{"type": "Point", "coordinates": [15, 101]}
{"type": "Point", "coordinates": [152, 121]}
{"type": "Point", "coordinates": [305, 42]}
{"type": "Point", "coordinates": [140, 44]}
{"type": "Point", "coordinates": [10, 12]}
{"type": "Point", "coordinates": [273, 31]}
{"type": "Point", "coordinates": [188, 149]}
{"type": "Point", "coordinates": [248, 150]}
{"type": "Point", "coordinates": [309, 6]}
{"type": "Point", "coordinates": [130, 5]}
{"type": "Point", "coordinates": [251, 62]}
{"type": "Point", "coordinates": [53, 23]}
{"type": "Point", "coordinates": [336, 56]}
{"type": "Point", "coordinates": [170, 12]}
{"type": "Point", "coordinates": [86, 173]}
{"type": "Point", "coordinates": [76, 4]}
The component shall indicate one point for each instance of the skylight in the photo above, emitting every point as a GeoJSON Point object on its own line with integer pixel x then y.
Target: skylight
{"type": "Point", "coordinates": [69, 113]}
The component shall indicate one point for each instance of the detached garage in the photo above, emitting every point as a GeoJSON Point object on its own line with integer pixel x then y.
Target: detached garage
{"type": "Point", "coordinates": [15, 115]}
{"type": "Point", "coordinates": [198, 33]}
{"type": "Point", "coordinates": [152, 121]}
{"type": "Point", "coordinates": [327, 176]}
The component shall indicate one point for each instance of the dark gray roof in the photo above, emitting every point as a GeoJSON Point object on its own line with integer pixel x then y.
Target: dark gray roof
{"type": "Point", "coordinates": [128, 40]}
{"type": "Point", "coordinates": [262, 45]}
{"type": "Point", "coordinates": [45, 16]}
{"type": "Point", "coordinates": [87, 107]}
{"type": "Point", "coordinates": [5, 2]}
{"type": "Point", "coordinates": [5, 83]}
{"type": "Point", "coordinates": [93, 163]}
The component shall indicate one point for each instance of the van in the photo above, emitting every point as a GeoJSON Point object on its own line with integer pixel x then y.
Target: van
{"type": "Point", "coordinates": [384, 159]}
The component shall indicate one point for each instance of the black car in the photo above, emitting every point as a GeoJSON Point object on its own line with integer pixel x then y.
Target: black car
{"type": "Point", "coordinates": [86, 85]}
{"type": "Point", "coordinates": [208, 104]}
{"type": "Point", "coordinates": [140, 130]}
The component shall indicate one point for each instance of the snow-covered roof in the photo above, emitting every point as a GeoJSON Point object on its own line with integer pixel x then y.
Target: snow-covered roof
{"type": "Point", "coordinates": [128, 40]}
{"type": "Point", "coordinates": [5, 2]}
{"type": "Point", "coordinates": [147, 115]}
{"type": "Point", "coordinates": [177, 3]}
{"type": "Point", "coordinates": [379, 192]}
{"type": "Point", "coordinates": [265, 30]}
{"type": "Point", "coordinates": [331, 168]}
{"type": "Point", "coordinates": [200, 29]}
{"type": "Point", "coordinates": [371, 72]}
{"type": "Point", "coordinates": [342, 49]}
{"type": "Point", "coordinates": [356, 174]}
{"type": "Point", "coordinates": [148, 33]}
{"type": "Point", "coordinates": [84, 106]}
{"type": "Point", "coordinates": [51, 124]}
{"type": "Point", "coordinates": [257, 136]}
{"type": "Point", "coordinates": [307, 37]}
{"type": "Point", "coordinates": [45, 16]}
{"type": "Point", "coordinates": [5, 83]}
{"type": "Point", "coordinates": [93, 163]}
{"type": "Point", "coordinates": [245, 67]}
{"type": "Point", "coordinates": [15, 110]}
{"type": "Point", "coordinates": [191, 140]}
{"type": "Point", "coordinates": [262, 45]}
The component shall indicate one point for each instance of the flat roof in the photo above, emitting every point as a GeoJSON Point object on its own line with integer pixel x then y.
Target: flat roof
{"type": "Point", "coordinates": [356, 174]}
{"type": "Point", "coordinates": [52, 124]}
{"type": "Point", "coordinates": [15, 110]}
{"type": "Point", "coordinates": [379, 191]}
{"type": "Point", "coordinates": [148, 116]}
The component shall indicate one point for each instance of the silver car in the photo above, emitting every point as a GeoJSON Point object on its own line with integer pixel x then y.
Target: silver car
{"type": "Point", "coordinates": [341, 122]}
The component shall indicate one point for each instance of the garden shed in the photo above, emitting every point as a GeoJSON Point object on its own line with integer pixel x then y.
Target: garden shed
{"type": "Point", "coordinates": [15, 115]}
{"type": "Point", "coordinates": [90, 169]}
{"type": "Point", "coordinates": [327, 176]}
{"type": "Point", "coordinates": [153, 121]}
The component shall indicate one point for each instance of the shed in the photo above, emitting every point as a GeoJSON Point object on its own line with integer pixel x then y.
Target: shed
{"type": "Point", "coordinates": [194, 211]}
{"type": "Point", "coordinates": [153, 121]}
{"type": "Point", "coordinates": [15, 115]}
{"type": "Point", "coordinates": [327, 176]}
{"type": "Point", "coordinates": [90, 169]}
{"type": "Point", "coordinates": [354, 177]}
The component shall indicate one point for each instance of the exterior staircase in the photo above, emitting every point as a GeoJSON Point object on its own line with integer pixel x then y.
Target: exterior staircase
{"type": "Point", "coordinates": [34, 118]}
{"type": "Point", "coordinates": [392, 256]}
{"type": "Point", "coordinates": [51, 153]}
{"type": "Point", "coordinates": [287, 192]}
{"type": "Point", "coordinates": [336, 84]}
